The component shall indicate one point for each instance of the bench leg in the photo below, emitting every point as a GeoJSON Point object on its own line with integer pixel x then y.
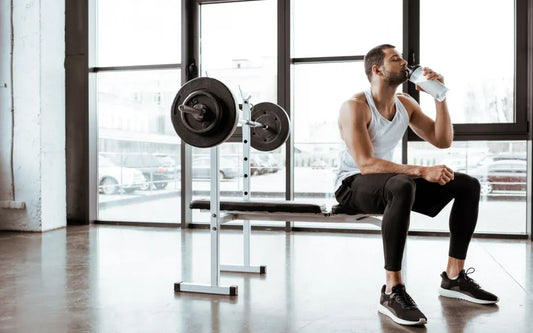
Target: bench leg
{"type": "Point", "coordinates": [245, 268]}
{"type": "Point", "coordinates": [246, 234]}
{"type": "Point", "coordinates": [204, 289]}
{"type": "Point", "coordinates": [214, 287]}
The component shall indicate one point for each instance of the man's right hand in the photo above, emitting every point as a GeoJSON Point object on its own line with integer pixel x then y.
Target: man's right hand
{"type": "Point", "coordinates": [438, 174]}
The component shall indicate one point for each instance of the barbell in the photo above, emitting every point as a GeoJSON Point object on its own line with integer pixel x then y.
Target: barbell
{"type": "Point", "coordinates": [204, 114]}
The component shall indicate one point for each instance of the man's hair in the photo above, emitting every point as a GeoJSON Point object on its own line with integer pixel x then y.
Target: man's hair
{"type": "Point", "coordinates": [375, 57]}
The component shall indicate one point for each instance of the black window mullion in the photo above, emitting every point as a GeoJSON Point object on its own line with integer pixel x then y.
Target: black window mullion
{"type": "Point", "coordinates": [489, 132]}
{"type": "Point", "coordinates": [411, 39]}
{"type": "Point", "coordinates": [189, 55]}
{"type": "Point", "coordinates": [133, 68]}
{"type": "Point", "coordinates": [211, 2]}
{"type": "Point", "coordinates": [314, 60]}
{"type": "Point", "coordinates": [521, 63]}
{"type": "Point", "coordinates": [411, 52]}
{"type": "Point", "coordinates": [284, 92]}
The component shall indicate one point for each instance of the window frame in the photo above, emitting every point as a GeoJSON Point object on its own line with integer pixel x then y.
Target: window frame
{"type": "Point", "coordinates": [92, 70]}
{"type": "Point", "coordinates": [518, 130]}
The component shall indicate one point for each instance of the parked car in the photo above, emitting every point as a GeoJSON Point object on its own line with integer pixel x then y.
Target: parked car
{"type": "Point", "coordinates": [155, 171]}
{"type": "Point", "coordinates": [318, 164]}
{"type": "Point", "coordinates": [504, 175]}
{"type": "Point", "coordinates": [172, 165]}
{"type": "Point", "coordinates": [229, 167]}
{"type": "Point", "coordinates": [501, 157]}
{"type": "Point", "coordinates": [112, 178]}
{"type": "Point", "coordinates": [258, 166]}
{"type": "Point", "coordinates": [269, 162]}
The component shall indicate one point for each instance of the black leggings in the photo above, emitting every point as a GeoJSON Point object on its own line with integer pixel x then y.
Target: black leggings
{"type": "Point", "coordinates": [396, 195]}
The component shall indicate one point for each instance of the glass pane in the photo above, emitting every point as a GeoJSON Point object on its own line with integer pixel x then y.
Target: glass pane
{"type": "Point", "coordinates": [316, 101]}
{"type": "Point", "coordinates": [315, 129]}
{"type": "Point", "coordinates": [315, 169]}
{"type": "Point", "coordinates": [239, 47]}
{"type": "Point", "coordinates": [267, 177]}
{"type": "Point", "coordinates": [138, 149]}
{"type": "Point", "coordinates": [475, 54]}
{"type": "Point", "coordinates": [138, 32]}
{"type": "Point", "coordinates": [243, 59]}
{"type": "Point", "coordinates": [344, 27]}
{"type": "Point", "coordinates": [229, 173]}
{"type": "Point", "coordinates": [501, 168]}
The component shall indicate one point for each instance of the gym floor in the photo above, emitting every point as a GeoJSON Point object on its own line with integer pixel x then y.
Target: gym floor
{"type": "Point", "coordinates": [120, 279]}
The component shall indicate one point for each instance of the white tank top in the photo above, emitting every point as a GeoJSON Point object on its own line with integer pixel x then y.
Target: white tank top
{"type": "Point", "coordinates": [385, 135]}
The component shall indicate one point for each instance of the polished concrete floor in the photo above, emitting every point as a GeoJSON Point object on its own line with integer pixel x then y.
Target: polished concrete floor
{"type": "Point", "coordinates": [120, 279]}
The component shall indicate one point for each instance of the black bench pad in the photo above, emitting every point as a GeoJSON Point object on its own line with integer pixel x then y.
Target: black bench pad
{"type": "Point", "coordinates": [262, 206]}
{"type": "Point", "coordinates": [338, 209]}
{"type": "Point", "coordinates": [272, 207]}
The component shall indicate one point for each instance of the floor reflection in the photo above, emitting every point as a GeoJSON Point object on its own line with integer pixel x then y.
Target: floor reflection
{"type": "Point", "coordinates": [459, 314]}
{"type": "Point", "coordinates": [121, 279]}
{"type": "Point", "coordinates": [387, 325]}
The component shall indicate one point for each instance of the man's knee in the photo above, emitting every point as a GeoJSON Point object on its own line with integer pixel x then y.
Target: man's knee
{"type": "Point", "coordinates": [401, 186]}
{"type": "Point", "coordinates": [467, 184]}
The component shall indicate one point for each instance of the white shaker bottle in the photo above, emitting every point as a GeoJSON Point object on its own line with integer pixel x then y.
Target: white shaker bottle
{"type": "Point", "coordinates": [432, 87]}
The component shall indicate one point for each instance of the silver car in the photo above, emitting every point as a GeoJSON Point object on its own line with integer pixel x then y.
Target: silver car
{"type": "Point", "coordinates": [113, 178]}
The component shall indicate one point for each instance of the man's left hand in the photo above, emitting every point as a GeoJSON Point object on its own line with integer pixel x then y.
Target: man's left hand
{"type": "Point", "coordinates": [430, 75]}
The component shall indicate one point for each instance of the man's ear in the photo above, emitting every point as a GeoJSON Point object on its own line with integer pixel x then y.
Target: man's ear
{"type": "Point", "coordinates": [376, 70]}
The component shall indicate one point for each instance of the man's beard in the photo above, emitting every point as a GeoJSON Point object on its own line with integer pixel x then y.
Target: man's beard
{"type": "Point", "coordinates": [395, 79]}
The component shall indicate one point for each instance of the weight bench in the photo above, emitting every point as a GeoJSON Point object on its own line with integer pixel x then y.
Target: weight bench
{"type": "Point", "coordinates": [204, 115]}
{"type": "Point", "coordinates": [285, 211]}
{"type": "Point", "coordinates": [266, 211]}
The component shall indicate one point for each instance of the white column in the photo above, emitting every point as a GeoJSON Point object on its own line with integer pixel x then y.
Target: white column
{"type": "Point", "coordinates": [38, 93]}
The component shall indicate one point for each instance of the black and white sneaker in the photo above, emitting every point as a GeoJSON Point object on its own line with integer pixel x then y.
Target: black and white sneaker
{"type": "Point", "coordinates": [465, 288]}
{"type": "Point", "coordinates": [400, 307]}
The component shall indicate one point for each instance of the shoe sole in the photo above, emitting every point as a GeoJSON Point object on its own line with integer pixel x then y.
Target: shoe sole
{"type": "Point", "coordinates": [459, 295]}
{"type": "Point", "coordinates": [397, 320]}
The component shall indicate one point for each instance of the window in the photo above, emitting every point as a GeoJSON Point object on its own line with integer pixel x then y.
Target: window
{"type": "Point", "coordinates": [320, 85]}
{"type": "Point", "coordinates": [137, 32]}
{"type": "Point", "coordinates": [139, 160]}
{"type": "Point", "coordinates": [317, 144]}
{"type": "Point", "coordinates": [245, 60]}
{"type": "Point", "coordinates": [238, 47]}
{"type": "Point", "coordinates": [342, 27]}
{"type": "Point", "coordinates": [257, 49]}
{"type": "Point", "coordinates": [476, 55]}
{"type": "Point", "coordinates": [500, 167]}
{"type": "Point", "coordinates": [137, 74]}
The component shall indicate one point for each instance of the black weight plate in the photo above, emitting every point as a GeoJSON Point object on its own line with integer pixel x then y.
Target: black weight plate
{"type": "Point", "coordinates": [210, 120]}
{"type": "Point", "coordinates": [279, 128]}
{"type": "Point", "coordinates": [222, 130]}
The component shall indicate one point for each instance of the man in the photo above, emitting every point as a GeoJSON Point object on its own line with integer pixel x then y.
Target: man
{"type": "Point", "coordinates": [371, 124]}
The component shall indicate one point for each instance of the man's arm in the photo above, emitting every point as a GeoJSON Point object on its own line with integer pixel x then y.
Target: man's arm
{"type": "Point", "coordinates": [439, 132]}
{"type": "Point", "coordinates": [353, 120]}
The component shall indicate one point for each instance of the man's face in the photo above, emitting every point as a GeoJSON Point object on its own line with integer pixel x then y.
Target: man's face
{"type": "Point", "coordinates": [394, 68]}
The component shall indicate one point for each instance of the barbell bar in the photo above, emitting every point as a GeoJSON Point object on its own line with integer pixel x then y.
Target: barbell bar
{"type": "Point", "coordinates": [204, 114]}
{"type": "Point", "coordinates": [200, 111]}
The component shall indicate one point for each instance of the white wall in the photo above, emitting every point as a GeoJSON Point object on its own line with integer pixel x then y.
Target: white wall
{"type": "Point", "coordinates": [39, 103]}
{"type": "Point", "coordinates": [5, 103]}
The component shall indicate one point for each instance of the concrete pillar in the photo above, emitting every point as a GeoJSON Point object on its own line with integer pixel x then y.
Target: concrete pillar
{"type": "Point", "coordinates": [38, 94]}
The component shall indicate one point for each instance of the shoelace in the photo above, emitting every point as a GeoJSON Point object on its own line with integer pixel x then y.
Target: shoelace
{"type": "Point", "coordinates": [469, 279]}
{"type": "Point", "coordinates": [404, 299]}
